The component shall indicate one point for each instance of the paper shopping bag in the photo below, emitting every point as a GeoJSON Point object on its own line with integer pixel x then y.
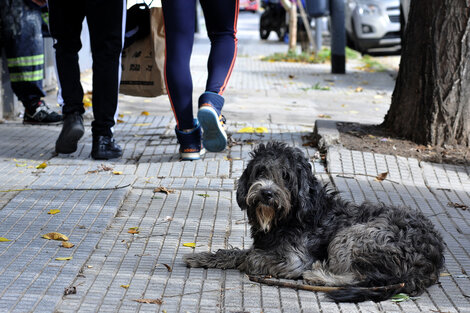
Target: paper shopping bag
{"type": "Point", "coordinates": [143, 61]}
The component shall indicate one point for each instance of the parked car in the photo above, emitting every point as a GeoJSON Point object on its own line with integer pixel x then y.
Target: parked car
{"type": "Point", "coordinates": [373, 26]}
{"type": "Point", "coordinates": [249, 5]}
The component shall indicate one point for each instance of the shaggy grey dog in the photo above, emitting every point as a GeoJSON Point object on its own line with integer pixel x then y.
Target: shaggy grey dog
{"type": "Point", "coordinates": [300, 229]}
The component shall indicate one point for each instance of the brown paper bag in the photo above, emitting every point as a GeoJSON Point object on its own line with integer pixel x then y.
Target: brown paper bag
{"type": "Point", "coordinates": [143, 61]}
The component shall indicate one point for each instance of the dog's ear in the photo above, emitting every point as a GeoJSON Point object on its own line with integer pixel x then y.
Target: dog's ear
{"type": "Point", "coordinates": [306, 184]}
{"type": "Point", "coordinates": [242, 189]}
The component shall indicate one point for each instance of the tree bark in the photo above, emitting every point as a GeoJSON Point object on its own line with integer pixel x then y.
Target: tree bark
{"type": "Point", "coordinates": [293, 28]}
{"type": "Point", "coordinates": [431, 100]}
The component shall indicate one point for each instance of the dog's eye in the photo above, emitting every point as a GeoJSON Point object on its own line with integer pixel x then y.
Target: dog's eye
{"type": "Point", "coordinates": [285, 176]}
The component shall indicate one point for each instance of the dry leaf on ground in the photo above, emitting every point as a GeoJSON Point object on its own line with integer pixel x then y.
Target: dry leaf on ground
{"type": "Point", "coordinates": [42, 165]}
{"type": "Point", "coordinates": [164, 190]}
{"type": "Point", "coordinates": [457, 205]}
{"type": "Point", "coordinates": [144, 113]}
{"type": "Point", "coordinates": [250, 130]}
{"type": "Point", "coordinates": [133, 230]}
{"type": "Point", "coordinates": [381, 176]}
{"type": "Point", "coordinates": [53, 211]}
{"type": "Point", "coordinates": [64, 258]}
{"type": "Point", "coordinates": [189, 244]}
{"type": "Point", "coordinates": [3, 239]}
{"type": "Point", "coordinates": [55, 236]}
{"type": "Point", "coordinates": [117, 172]}
{"type": "Point", "coordinates": [67, 244]}
{"type": "Point", "coordinates": [125, 286]}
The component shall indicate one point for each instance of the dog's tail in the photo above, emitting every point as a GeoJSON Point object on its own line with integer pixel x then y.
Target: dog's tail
{"type": "Point", "coordinates": [361, 293]}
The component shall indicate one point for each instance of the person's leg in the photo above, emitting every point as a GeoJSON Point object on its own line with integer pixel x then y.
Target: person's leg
{"type": "Point", "coordinates": [65, 22]}
{"type": "Point", "coordinates": [106, 22]}
{"type": "Point", "coordinates": [179, 17]}
{"type": "Point", "coordinates": [24, 48]}
{"type": "Point", "coordinates": [221, 21]}
{"type": "Point", "coordinates": [106, 25]}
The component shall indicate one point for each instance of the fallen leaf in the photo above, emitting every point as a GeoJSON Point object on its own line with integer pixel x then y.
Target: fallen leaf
{"type": "Point", "coordinates": [144, 113]}
{"type": "Point", "coordinates": [117, 172]}
{"type": "Point", "coordinates": [70, 290]}
{"type": "Point", "coordinates": [359, 89]}
{"type": "Point", "coordinates": [163, 190]}
{"type": "Point", "coordinates": [125, 286]}
{"type": "Point", "coordinates": [149, 301]}
{"type": "Point", "coordinates": [142, 124]}
{"type": "Point", "coordinates": [55, 236]}
{"type": "Point", "coordinates": [445, 274]}
{"type": "Point", "coordinates": [291, 76]}
{"type": "Point", "coordinates": [189, 244]}
{"type": "Point", "coordinates": [457, 205]}
{"type": "Point", "coordinates": [204, 195]}
{"type": "Point", "coordinates": [120, 115]}
{"type": "Point", "coordinates": [64, 258]}
{"type": "Point", "coordinates": [119, 121]}
{"type": "Point", "coordinates": [133, 230]}
{"type": "Point", "coordinates": [67, 244]}
{"type": "Point", "coordinates": [168, 219]}
{"type": "Point", "coordinates": [168, 267]}
{"type": "Point", "coordinates": [89, 266]}
{"type": "Point", "coordinates": [400, 297]}
{"type": "Point", "coordinates": [3, 239]}
{"type": "Point", "coordinates": [53, 211]}
{"type": "Point", "coordinates": [21, 164]}
{"type": "Point", "coordinates": [42, 165]}
{"type": "Point", "coordinates": [251, 130]}
{"type": "Point", "coordinates": [381, 176]}
{"type": "Point", "coordinates": [324, 116]}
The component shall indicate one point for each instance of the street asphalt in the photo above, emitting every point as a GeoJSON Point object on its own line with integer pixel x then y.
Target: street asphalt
{"type": "Point", "coordinates": [129, 237]}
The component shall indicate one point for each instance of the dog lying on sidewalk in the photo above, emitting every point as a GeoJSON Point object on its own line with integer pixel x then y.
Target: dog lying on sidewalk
{"type": "Point", "coordinates": [300, 229]}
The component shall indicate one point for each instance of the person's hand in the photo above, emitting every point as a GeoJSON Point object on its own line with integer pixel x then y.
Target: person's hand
{"type": "Point", "coordinates": [40, 2]}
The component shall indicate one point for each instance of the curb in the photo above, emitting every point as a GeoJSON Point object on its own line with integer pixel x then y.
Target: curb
{"type": "Point", "coordinates": [327, 134]}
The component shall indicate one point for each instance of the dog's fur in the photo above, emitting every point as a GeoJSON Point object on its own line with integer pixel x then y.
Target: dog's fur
{"type": "Point", "coordinates": [300, 229]}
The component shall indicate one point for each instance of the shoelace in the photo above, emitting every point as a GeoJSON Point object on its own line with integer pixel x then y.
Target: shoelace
{"type": "Point", "coordinates": [222, 120]}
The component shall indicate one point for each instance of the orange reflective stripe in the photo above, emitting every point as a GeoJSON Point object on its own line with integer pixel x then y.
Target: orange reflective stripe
{"type": "Point", "coordinates": [235, 22]}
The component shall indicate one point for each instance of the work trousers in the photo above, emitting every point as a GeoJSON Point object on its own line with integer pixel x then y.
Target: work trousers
{"type": "Point", "coordinates": [106, 24]}
{"type": "Point", "coordinates": [221, 22]}
{"type": "Point", "coordinates": [21, 34]}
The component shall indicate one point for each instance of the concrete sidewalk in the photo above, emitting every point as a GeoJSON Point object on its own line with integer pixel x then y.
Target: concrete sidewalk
{"type": "Point", "coordinates": [111, 268]}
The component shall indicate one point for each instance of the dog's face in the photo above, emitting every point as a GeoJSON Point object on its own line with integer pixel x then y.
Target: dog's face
{"type": "Point", "coordinates": [269, 187]}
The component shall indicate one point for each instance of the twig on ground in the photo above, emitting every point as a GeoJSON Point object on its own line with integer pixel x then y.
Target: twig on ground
{"type": "Point", "coordinates": [319, 288]}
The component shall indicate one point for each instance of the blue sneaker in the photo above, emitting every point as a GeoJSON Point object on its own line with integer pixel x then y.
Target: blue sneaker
{"type": "Point", "coordinates": [214, 138]}
{"type": "Point", "coordinates": [190, 142]}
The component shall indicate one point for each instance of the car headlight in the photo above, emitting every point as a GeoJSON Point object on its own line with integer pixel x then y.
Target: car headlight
{"type": "Point", "coordinates": [368, 9]}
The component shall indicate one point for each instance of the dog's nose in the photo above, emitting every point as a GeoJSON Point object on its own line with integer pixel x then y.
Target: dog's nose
{"type": "Point", "coordinates": [267, 194]}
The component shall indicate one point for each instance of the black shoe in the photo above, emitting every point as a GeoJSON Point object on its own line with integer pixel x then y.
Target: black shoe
{"type": "Point", "coordinates": [104, 148]}
{"type": "Point", "coordinates": [42, 114]}
{"type": "Point", "coordinates": [72, 131]}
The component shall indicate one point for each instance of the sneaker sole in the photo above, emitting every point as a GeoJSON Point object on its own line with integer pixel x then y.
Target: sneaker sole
{"type": "Point", "coordinates": [70, 145]}
{"type": "Point", "coordinates": [42, 123]}
{"type": "Point", "coordinates": [214, 138]}
{"type": "Point", "coordinates": [192, 156]}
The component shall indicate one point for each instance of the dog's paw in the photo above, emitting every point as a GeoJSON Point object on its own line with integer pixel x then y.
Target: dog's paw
{"type": "Point", "coordinates": [198, 259]}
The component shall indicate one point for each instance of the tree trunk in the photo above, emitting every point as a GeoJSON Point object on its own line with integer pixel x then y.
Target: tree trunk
{"type": "Point", "coordinates": [293, 28]}
{"type": "Point", "coordinates": [431, 100]}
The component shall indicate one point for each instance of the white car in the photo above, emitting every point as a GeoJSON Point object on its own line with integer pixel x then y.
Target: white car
{"type": "Point", "coordinates": [373, 26]}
